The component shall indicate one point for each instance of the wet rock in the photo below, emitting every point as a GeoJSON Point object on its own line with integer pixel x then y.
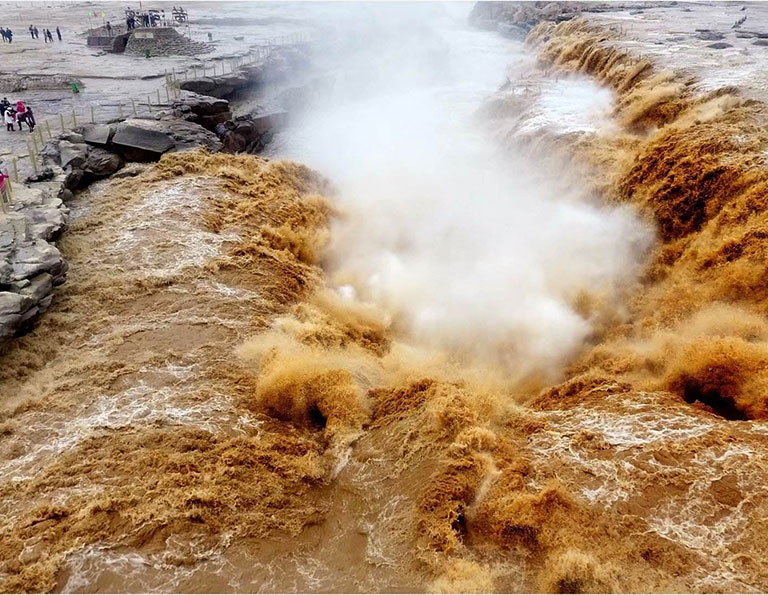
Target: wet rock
{"type": "Point", "coordinates": [72, 178]}
{"type": "Point", "coordinates": [202, 86]}
{"type": "Point", "coordinates": [185, 134]}
{"type": "Point", "coordinates": [721, 45]}
{"type": "Point", "coordinates": [51, 153]}
{"type": "Point", "coordinates": [34, 258]}
{"type": "Point", "coordinates": [101, 163]}
{"type": "Point", "coordinates": [72, 155]}
{"type": "Point", "coordinates": [512, 31]}
{"type": "Point", "coordinates": [250, 133]}
{"type": "Point", "coordinates": [761, 42]}
{"type": "Point", "coordinates": [141, 143]}
{"type": "Point", "coordinates": [43, 176]}
{"type": "Point", "coordinates": [97, 134]}
{"type": "Point", "coordinates": [72, 137]}
{"type": "Point", "coordinates": [709, 35]}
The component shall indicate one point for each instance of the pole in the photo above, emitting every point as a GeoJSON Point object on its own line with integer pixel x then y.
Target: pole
{"type": "Point", "coordinates": [15, 169]}
{"type": "Point", "coordinates": [61, 117]}
{"type": "Point", "coordinates": [74, 118]}
{"type": "Point", "coordinates": [48, 126]}
{"type": "Point", "coordinates": [167, 95]}
{"type": "Point", "coordinates": [34, 142]}
{"type": "Point", "coordinates": [158, 95]}
{"type": "Point", "coordinates": [92, 118]}
{"type": "Point", "coordinates": [120, 109]}
{"type": "Point", "coordinates": [133, 101]}
{"type": "Point", "coordinates": [32, 157]}
{"type": "Point", "coordinates": [149, 103]}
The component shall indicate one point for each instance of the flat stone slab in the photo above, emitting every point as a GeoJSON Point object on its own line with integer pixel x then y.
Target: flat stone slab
{"type": "Point", "coordinates": [143, 139]}
{"type": "Point", "coordinates": [270, 121]}
{"type": "Point", "coordinates": [97, 134]}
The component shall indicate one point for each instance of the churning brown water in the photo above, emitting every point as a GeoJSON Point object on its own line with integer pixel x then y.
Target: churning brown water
{"type": "Point", "coordinates": [204, 409]}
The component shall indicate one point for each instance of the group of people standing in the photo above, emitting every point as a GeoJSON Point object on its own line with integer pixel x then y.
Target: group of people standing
{"type": "Point", "coordinates": [16, 114]}
{"type": "Point", "coordinates": [34, 33]}
{"type": "Point", "coordinates": [7, 34]}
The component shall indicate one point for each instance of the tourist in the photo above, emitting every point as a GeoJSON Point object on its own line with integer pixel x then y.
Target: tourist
{"type": "Point", "coordinates": [27, 117]}
{"type": "Point", "coordinates": [20, 112]}
{"type": "Point", "coordinates": [109, 29]}
{"type": "Point", "coordinates": [58, 32]}
{"type": "Point", "coordinates": [45, 35]}
{"type": "Point", "coordinates": [31, 32]}
{"type": "Point", "coordinates": [50, 35]}
{"type": "Point", "coordinates": [4, 105]}
{"type": "Point", "coordinates": [9, 35]}
{"type": "Point", "coordinates": [37, 33]}
{"type": "Point", "coordinates": [2, 32]}
{"type": "Point", "coordinates": [9, 119]}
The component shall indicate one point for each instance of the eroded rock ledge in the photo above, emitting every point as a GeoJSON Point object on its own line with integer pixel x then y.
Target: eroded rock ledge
{"type": "Point", "coordinates": [30, 264]}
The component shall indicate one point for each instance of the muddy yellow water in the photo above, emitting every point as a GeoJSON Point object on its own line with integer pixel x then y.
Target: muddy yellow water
{"type": "Point", "coordinates": [201, 411]}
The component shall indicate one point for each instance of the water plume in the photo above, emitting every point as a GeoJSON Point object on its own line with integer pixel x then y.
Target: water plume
{"type": "Point", "coordinates": [470, 250]}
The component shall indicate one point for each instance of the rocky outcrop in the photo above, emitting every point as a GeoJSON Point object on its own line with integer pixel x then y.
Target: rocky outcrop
{"type": "Point", "coordinates": [250, 133]}
{"type": "Point", "coordinates": [282, 62]}
{"type": "Point", "coordinates": [201, 109]}
{"type": "Point", "coordinates": [30, 265]}
{"type": "Point", "coordinates": [515, 19]}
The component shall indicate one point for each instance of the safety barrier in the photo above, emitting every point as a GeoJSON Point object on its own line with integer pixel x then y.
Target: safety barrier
{"type": "Point", "coordinates": [169, 90]}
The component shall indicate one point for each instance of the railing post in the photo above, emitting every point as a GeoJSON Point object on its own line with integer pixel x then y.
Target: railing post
{"type": "Point", "coordinates": [15, 169]}
{"type": "Point", "coordinates": [93, 120]}
{"type": "Point", "coordinates": [48, 126]}
{"type": "Point", "coordinates": [133, 101]}
{"type": "Point", "coordinates": [74, 118]}
{"type": "Point", "coordinates": [149, 103]}
{"type": "Point", "coordinates": [61, 117]}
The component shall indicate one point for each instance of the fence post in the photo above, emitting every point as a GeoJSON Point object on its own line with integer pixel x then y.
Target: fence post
{"type": "Point", "coordinates": [120, 109]}
{"type": "Point", "coordinates": [149, 103]}
{"type": "Point", "coordinates": [32, 157]}
{"type": "Point", "coordinates": [15, 169]}
{"type": "Point", "coordinates": [34, 142]}
{"type": "Point", "coordinates": [167, 95]}
{"type": "Point", "coordinates": [93, 121]}
{"type": "Point", "coordinates": [158, 95]}
{"type": "Point", "coordinates": [133, 101]}
{"type": "Point", "coordinates": [61, 117]}
{"type": "Point", "coordinates": [48, 126]}
{"type": "Point", "coordinates": [74, 118]}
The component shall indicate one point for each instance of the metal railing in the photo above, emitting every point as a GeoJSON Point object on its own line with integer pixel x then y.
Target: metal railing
{"type": "Point", "coordinates": [169, 90]}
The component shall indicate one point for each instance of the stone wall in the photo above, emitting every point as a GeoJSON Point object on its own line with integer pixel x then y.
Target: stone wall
{"type": "Point", "coordinates": [164, 41]}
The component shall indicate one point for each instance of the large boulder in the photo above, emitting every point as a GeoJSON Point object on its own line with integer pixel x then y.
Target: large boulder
{"type": "Point", "coordinates": [250, 133]}
{"type": "Point", "coordinates": [185, 134]}
{"type": "Point", "coordinates": [72, 155]}
{"type": "Point", "coordinates": [37, 257]}
{"type": "Point", "coordinates": [97, 134]}
{"type": "Point", "coordinates": [138, 142]}
{"type": "Point", "coordinates": [101, 163]}
{"type": "Point", "coordinates": [202, 85]}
